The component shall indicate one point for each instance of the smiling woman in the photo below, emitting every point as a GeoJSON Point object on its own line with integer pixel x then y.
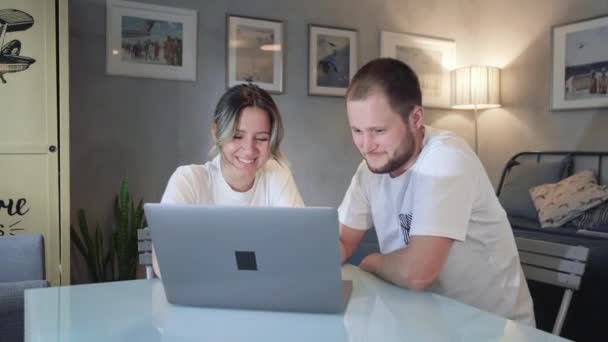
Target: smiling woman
{"type": "Point", "coordinates": [247, 168]}
{"type": "Point", "coordinates": [248, 150]}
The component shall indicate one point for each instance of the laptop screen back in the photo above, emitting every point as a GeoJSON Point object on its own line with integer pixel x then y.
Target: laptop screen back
{"type": "Point", "coordinates": [283, 259]}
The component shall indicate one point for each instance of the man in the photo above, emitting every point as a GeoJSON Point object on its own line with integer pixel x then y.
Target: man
{"type": "Point", "coordinates": [439, 224]}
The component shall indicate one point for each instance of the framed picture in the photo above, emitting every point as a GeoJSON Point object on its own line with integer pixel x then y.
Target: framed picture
{"type": "Point", "coordinates": [431, 59]}
{"type": "Point", "coordinates": [150, 41]}
{"type": "Point", "coordinates": [332, 59]}
{"type": "Point", "coordinates": [255, 52]}
{"type": "Point", "coordinates": [580, 64]}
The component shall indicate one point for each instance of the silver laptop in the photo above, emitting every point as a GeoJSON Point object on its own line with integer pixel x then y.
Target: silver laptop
{"type": "Point", "coordinates": [284, 259]}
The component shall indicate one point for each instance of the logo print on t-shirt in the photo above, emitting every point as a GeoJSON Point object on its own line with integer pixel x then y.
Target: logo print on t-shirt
{"type": "Point", "coordinates": [406, 222]}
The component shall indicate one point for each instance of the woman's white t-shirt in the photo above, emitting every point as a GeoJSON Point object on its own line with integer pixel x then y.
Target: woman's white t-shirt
{"type": "Point", "coordinates": [273, 186]}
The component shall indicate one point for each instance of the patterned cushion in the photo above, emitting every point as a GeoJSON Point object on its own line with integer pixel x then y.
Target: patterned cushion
{"type": "Point", "coordinates": [595, 219]}
{"type": "Point", "coordinates": [561, 202]}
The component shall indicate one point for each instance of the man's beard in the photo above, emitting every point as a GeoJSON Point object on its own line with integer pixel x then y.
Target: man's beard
{"type": "Point", "coordinates": [397, 161]}
{"type": "Point", "coordinates": [393, 164]}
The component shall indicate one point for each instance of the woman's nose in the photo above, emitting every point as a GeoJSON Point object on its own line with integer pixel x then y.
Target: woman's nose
{"type": "Point", "coordinates": [249, 144]}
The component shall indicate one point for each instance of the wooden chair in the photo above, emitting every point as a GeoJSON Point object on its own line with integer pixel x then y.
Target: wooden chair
{"type": "Point", "coordinates": [555, 264]}
{"type": "Point", "coordinates": [144, 247]}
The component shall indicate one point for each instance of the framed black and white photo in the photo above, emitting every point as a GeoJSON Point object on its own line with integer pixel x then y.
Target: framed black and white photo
{"type": "Point", "coordinates": [332, 59]}
{"type": "Point", "coordinates": [255, 52]}
{"type": "Point", "coordinates": [580, 64]}
{"type": "Point", "coordinates": [431, 59]}
{"type": "Point", "coordinates": [150, 41]}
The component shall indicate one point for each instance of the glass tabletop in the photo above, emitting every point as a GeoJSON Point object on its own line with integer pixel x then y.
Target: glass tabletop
{"type": "Point", "coordinates": [377, 311]}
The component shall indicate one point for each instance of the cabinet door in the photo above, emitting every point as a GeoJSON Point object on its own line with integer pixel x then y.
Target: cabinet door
{"type": "Point", "coordinates": [29, 154]}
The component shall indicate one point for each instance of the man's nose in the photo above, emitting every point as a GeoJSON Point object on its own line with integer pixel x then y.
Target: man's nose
{"type": "Point", "coordinates": [368, 144]}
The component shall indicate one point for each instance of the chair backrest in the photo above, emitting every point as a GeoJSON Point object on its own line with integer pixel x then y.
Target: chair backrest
{"type": "Point", "coordinates": [144, 247]}
{"type": "Point", "coordinates": [555, 264]}
{"type": "Point", "coordinates": [22, 257]}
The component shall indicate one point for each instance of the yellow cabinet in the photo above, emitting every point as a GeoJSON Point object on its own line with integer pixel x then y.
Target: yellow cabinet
{"type": "Point", "coordinates": [34, 134]}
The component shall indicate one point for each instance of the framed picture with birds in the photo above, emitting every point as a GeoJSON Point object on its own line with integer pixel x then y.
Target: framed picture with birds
{"type": "Point", "coordinates": [332, 59]}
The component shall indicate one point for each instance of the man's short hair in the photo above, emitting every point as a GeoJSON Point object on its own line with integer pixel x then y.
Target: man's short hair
{"type": "Point", "coordinates": [393, 78]}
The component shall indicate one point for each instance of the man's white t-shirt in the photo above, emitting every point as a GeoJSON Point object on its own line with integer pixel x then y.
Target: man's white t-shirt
{"type": "Point", "coordinates": [273, 186]}
{"type": "Point", "coordinates": [446, 193]}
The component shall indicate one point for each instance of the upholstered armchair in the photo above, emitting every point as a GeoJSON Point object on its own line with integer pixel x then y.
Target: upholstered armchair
{"type": "Point", "coordinates": [22, 259]}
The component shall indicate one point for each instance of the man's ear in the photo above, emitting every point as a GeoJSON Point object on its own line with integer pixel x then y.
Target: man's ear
{"type": "Point", "coordinates": [417, 117]}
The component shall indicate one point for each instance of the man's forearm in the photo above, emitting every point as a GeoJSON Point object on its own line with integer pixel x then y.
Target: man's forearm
{"type": "Point", "coordinates": [395, 268]}
{"type": "Point", "coordinates": [392, 268]}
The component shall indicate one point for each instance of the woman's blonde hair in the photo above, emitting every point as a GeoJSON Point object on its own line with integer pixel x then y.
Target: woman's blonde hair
{"type": "Point", "coordinates": [229, 109]}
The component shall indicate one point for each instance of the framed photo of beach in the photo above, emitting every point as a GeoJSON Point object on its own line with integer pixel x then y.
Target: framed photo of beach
{"type": "Point", "coordinates": [431, 59]}
{"type": "Point", "coordinates": [580, 64]}
{"type": "Point", "coordinates": [255, 52]}
{"type": "Point", "coordinates": [150, 41]}
{"type": "Point", "coordinates": [332, 59]}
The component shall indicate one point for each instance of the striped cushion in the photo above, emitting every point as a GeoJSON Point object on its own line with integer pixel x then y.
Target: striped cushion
{"type": "Point", "coordinates": [595, 219]}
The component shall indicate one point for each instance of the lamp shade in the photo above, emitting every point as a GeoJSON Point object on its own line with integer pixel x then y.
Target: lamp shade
{"type": "Point", "coordinates": [476, 87]}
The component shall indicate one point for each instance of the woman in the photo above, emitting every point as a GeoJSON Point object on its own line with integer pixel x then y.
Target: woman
{"type": "Point", "coordinates": [247, 168]}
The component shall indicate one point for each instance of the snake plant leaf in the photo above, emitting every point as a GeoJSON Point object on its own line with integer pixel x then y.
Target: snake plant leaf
{"type": "Point", "coordinates": [116, 260]}
{"type": "Point", "coordinates": [84, 251]}
{"type": "Point", "coordinates": [91, 246]}
{"type": "Point", "coordinates": [100, 255]}
{"type": "Point", "coordinates": [126, 225]}
{"type": "Point", "coordinates": [109, 261]}
{"type": "Point", "coordinates": [84, 227]}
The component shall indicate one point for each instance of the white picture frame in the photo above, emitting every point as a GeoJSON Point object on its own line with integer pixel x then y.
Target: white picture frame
{"type": "Point", "coordinates": [255, 52]}
{"type": "Point", "coordinates": [431, 58]}
{"type": "Point", "coordinates": [151, 41]}
{"type": "Point", "coordinates": [332, 59]}
{"type": "Point", "coordinates": [579, 74]}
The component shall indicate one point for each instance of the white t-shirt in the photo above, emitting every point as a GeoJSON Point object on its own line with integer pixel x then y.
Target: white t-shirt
{"type": "Point", "coordinates": [446, 193]}
{"type": "Point", "coordinates": [205, 185]}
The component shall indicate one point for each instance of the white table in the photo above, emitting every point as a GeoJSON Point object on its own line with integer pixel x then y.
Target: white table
{"type": "Point", "coordinates": [377, 311]}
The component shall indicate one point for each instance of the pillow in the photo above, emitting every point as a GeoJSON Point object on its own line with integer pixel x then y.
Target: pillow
{"type": "Point", "coordinates": [514, 195]}
{"type": "Point", "coordinates": [595, 219]}
{"type": "Point", "coordinates": [561, 202]}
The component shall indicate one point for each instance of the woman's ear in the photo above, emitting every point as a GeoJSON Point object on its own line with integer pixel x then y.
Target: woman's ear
{"type": "Point", "coordinates": [213, 132]}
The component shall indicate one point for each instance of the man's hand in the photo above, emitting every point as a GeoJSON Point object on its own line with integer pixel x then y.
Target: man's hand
{"type": "Point", "coordinates": [343, 253]}
{"type": "Point", "coordinates": [350, 239]}
{"type": "Point", "coordinates": [371, 263]}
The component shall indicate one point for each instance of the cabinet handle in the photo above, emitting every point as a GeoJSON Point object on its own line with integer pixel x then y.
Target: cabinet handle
{"type": "Point", "coordinates": [52, 148]}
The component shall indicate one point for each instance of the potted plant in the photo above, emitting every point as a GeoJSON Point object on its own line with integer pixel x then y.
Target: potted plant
{"type": "Point", "coordinates": [118, 259]}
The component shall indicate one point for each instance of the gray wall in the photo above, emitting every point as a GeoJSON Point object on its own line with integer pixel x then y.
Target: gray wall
{"type": "Point", "coordinates": [516, 35]}
{"type": "Point", "coordinates": [145, 128]}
